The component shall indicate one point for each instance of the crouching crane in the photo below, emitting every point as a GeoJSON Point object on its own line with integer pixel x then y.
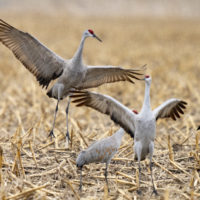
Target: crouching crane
{"type": "Point", "coordinates": [100, 151]}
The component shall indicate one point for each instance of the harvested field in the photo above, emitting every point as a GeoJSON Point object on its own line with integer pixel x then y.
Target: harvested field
{"type": "Point", "coordinates": [33, 166]}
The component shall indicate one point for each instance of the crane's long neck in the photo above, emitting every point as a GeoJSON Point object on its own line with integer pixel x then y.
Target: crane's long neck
{"type": "Point", "coordinates": [146, 104]}
{"type": "Point", "coordinates": [78, 55]}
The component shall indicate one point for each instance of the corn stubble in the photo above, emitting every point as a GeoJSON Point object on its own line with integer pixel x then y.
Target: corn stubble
{"type": "Point", "coordinates": [34, 167]}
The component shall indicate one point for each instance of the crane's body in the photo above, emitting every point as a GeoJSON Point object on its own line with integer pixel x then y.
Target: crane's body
{"type": "Point", "coordinates": [46, 66]}
{"type": "Point", "coordinates": [145, 133]}
{"type": "Point", "coordinates": [101, 151]}
{"type": "Point", "coordinates": [142, 126]}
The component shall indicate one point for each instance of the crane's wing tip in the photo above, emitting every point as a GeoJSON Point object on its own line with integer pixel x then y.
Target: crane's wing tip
{"type": "Point", "coordinates": [184, 102]}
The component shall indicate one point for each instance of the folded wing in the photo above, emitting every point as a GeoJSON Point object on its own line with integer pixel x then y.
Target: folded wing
{"type": "Point", "coordinates": [171, 108]}
{"type": "Point", "coordinates": [38, 59]}
{"type": "Point", "coordinates": [119, 113]}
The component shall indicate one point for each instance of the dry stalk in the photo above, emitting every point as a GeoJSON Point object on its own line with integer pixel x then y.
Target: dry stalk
{"type": "Point", "coordinates": [77, 182]}
{"type": "Point", "coordinates": [105, 195]}
{"type": "Point", "coordinates": [43, 189]}
{"type": "Point", "coordinates": [166, 195]}
{"type": "Point", "coordinates": [19, 157]}
{"type": "Point", "coordinates": [181, 132]}
{"type": "Point", "coordinates": [60, 137]}
{"type": "Point", "coordinates": [178, 167]}
{"type": "Point", "coordinates": [192, 122]}
{"type": "Point", "coordinates": [125, 182]}
{"type": "Point", "coordinates": [72, 167]}
{"type": "Point", "coordinates": [33, 153]}
{"type": "Point", "coordinates": [123, 193]}
{"type": "Point", "coordinates": [26, 193]}
{"type": "Point", "coordinates": [129, 153]}
{"type": "Point", "coordinates": [197, 141]}
{"type": "Point", "coordinates": [160, 143]}
{"type": "Point", "coordinates": [163, 168]}
{"type": "Point", "coordinates": [176, 191]}
{"type": "Point", "coordinates": [125, 175]}
{"type": "Point", "coordinates": [125, 149]}
{"type": "Point", "coordinates": [187, 138]}
{"type": "Point", "coordinates": [52, 171]}
{"type": "Point", "coordinates": [83, 138]}
{"type": "Point", "coordinates": [171, 154]}
{"type": "Point", "coordinates": [1, 164]}
{"type": "Point", "coordinates": [70, 185]}
{"type": "Point", "coordinates": [197, 194]}
{"type": "Point", "coordinates": [134, 188]}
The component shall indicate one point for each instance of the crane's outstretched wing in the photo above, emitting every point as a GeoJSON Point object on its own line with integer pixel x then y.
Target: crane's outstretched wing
{"type": "Point", "coordinates": [98, 75]}
{"type": "Point", "coordinates": [170, 108]}
{"type": "Point", "coordinates": [38, 59]}
{"type": "Point", "coordinates": [119, 113]}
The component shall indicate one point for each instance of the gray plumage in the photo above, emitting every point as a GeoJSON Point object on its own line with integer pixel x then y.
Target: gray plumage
{"type": "Point", "coordinates": [46, 66]}
{"type": "Point", "coordinates": [142, 126]}
{"type": "Point", "coordinates": [100, 151]}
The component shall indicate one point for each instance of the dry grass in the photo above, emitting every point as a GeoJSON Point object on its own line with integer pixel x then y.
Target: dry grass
{"type": "Point", "coordinates": [34, 167]}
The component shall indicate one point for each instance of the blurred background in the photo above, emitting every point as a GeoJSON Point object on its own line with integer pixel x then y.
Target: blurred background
{"type": "Point", "coordinates": [133, 8]}
{"type": "Point", "coordinates": [164, 34]}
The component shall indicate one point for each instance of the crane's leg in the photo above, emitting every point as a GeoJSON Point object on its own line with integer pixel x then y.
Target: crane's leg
{"type": "Point", "coordinates": [138, 190]}
{"type": "Point", "coordinates": [67, 119]}
{"type": "Point", "coordinates": [106, 174]}
{"type": "Point", "coordinates": [51, 134]}
{"type": "Point", "coordinates": [138, 151]}
{"type": "Point", "coordinates": [151, 148]}
{"type": "Point", "coordinates": [80, 186]}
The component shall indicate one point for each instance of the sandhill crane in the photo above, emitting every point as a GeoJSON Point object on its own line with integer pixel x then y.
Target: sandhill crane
{"type": "Point", "coordinates": [100, 151]}
{"type": "Point", "coordinates": [46, 66]}
{"type": "Point", "coordinates": [141, 127]}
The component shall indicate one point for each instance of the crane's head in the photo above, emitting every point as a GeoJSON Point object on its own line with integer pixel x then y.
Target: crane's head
{"type": "Point", "coordinates": [135, 111]}
{"type": "Point", "coordinates": [147, 79]}
{"type": "Point", "coordinates": [81, 159]}
{"type": "Point", "coordinates": [90, 33]}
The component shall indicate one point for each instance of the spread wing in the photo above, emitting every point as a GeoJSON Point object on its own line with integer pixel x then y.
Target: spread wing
{"type": "Point", "coordinates": [170, 108]}
{"type": "Point", "coordinates": [38, 59]}
{"type": "Point", "coordinates": [98, 75]}
{"type": "Point", "coordinates": [119, 113]}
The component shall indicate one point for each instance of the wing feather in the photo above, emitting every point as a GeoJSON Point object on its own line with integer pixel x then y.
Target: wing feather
{"type": "Point", "coordinates": [38, 59]}
{"type": "Point", "coordinates": [119, 113]}
{"type": "Point", "coordinates": [98, 75]}
{"type": "Point", "coordinates": [170, 108]}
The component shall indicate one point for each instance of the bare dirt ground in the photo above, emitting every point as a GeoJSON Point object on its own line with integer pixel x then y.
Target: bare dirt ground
{"type": "Point", "coordinates": [35, 167]}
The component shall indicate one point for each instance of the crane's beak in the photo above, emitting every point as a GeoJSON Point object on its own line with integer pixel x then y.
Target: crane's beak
{"type": "Point", "coordinates": [97, 38]}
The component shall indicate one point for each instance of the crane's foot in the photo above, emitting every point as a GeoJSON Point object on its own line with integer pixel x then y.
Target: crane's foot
{"type": "Point", "coordinates": [67, 136]}
{"type": "Point", "coordinates": [51, 134]}
{"type": "Point", "coordinates": [154, 192]}
{"type": "Point", "coordinates": [139, 192]}
{"type": "Point", "coordinates": [80, 187]}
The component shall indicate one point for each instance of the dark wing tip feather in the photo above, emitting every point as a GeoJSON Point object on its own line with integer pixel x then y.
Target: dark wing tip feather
{"type": "Point", "coordinates": [131, 133]}
{"type": "Point", "coordinates": [182, 105]}
{"type": "Point", "coordinates": [184, 102]}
